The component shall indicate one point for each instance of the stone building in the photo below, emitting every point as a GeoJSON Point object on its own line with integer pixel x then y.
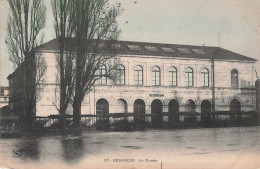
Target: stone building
{"type": "Point", "coordinates": [16, 101]}
{"type": "Point", "coordinates": [155, 78]}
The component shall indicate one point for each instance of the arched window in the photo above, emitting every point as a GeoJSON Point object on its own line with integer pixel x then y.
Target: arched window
{"type": "Point", "coordinates": [138, 75]}
{"type": "Point", "coordinates": [173, 76]}
{"type": "Point", "coordinates": [121, 106]}
{"type": "Point", "coordinates": [156, 76]}
{"type": "Point", "coordinates": [235, 105]}
{"type": "Point", "coordinates": [120, 79]}
{"type": "Point", "coordinates": [204, 77]}
{"type": "Point", "coordinates": [190, 106]}
{"type": "Point", "coordinates": [189, 77]}
{"type": "Point", "coordinates": [139, 108]}
{"type": "Point", "coordinates": [157, 108]}
{"type": "Point", "coordinates": [234, 78]}
{"type": "Point", "coordinates": [101, 72]}
{"type": "Point", "coordinates": [102, 107]}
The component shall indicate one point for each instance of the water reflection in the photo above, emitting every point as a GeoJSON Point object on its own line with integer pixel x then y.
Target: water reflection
{"type": "Point", "coordinates": [27, 149]}
{"type": "Point", "coordinates": [164, 144]}
{"type": "Point", "coordinates": [72, 149]}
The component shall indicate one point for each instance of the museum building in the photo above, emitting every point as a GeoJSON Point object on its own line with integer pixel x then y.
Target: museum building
{"type": "Point", "coordinates": [156, 78]}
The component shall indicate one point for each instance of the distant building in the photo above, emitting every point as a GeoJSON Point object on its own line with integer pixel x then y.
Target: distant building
{"type": "Point", "coordinates": [4, 96]}
{"type": "Point", "coordinates": [4, 100]}
{"type": "Point", "coordinates": [155, 78]}
{"type": "Point", "coordinates": [16, 92]}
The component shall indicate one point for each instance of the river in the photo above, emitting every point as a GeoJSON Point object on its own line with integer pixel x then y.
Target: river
{"type": "Point", "coordinates": [236, 147]}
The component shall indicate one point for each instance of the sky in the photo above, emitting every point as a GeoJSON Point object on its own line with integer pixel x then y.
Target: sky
{"type": "Point", "coordinates": [230, 24]}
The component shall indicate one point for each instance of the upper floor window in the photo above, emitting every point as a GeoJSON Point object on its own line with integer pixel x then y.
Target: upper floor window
{"type": "Point", "coordinates": [102, 71]}
{"type": "Point", "coordinates": [189, 77]}
{"type": "Point", "coordinates": [120, 79]}
{"type": "Point", "coordinates": [5, 92]}
{"type": "Point", "coordinates": [156, 76]}
{"type": "Point", "coordinates": [234, 78]}
{"type": "Point", "coordinates": [204, 77]}
{"type": "Point", "coordinates": [138, 75]}
{"type": "Point", "coordinates": [173, 76]}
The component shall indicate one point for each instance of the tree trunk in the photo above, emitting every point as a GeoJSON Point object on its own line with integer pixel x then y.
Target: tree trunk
{"type": "Point", "coordinates": [62, 119]}
{"type": "Point", "coordinates": [78, 93]}
{"type": "Point", "coordinates": [77, 114]}
{"type": "Point", "coordinates": [29, 117]}
{"type": "Point", "coordinates": [29, 93]}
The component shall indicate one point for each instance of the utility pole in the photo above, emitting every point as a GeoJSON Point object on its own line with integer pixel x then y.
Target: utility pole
{"type": "Point", "coordinates": [219, 39]}
{"type": "Point", "coordinates": [213, 80]}
{"type": "Point", "coordinates": [213, 77]}
{"type": "Point", "coordinates": [252, 89]}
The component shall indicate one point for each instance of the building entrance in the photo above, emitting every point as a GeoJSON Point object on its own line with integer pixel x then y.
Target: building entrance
{"type": "Point", "coordinates": [139, 108]}
{"type": "Point", "coordinates": [173, 108]}
{"type": "Point", "coordinates": [102, 108]}
{"type": "Point", "coordinates": [156, 113]}
{"type": "Point", "coordinates": [235, 106]}
{"type": "Point", "coordinates": [205, 112]}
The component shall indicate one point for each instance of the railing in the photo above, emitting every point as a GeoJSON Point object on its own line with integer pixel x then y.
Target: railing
{"type": "Point", "coordinates": [164, 119]}
{"type": "Point", "coordinates": [9, 118]}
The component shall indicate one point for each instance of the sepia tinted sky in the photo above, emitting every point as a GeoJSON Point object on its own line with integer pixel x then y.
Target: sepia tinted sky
{"type": "Point", "coordinates": [191, 22]}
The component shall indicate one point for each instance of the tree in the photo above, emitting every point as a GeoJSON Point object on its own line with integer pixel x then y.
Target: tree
{"type": "Point", "coordinates": [92, 19]}
{"type": "Point", "coordinates": [26, 20]}
{"type": "Point", "coordinates": [63, 28]}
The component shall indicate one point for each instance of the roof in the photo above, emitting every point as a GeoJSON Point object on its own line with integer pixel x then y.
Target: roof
{"type": "Point", "coordinates": [150, 49]}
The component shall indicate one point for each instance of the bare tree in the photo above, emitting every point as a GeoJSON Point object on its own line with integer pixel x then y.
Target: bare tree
{"type": "Point", "coordinates": [26, 20]}
{"type": "Point", "coordinates": [63, 28]}
{"type": "Point", "coordinates": [92, 19]}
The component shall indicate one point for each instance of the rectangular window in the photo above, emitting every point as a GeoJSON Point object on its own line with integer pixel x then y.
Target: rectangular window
{"type": "Point", "coordinates": [183, 50]}
{"type": "Point", "coordinates": [102, 80]}
{"type": "Point", "coordinates": [151, 48]}
{"type": "Point", "coordinates": [156, 78]}
{"type": "Point", "coordinates": [117, 46]}
{"type": "Point", "coordinates": [138, 78]}
{"type": "Point", "coordinates": [134, 47]}
{"type": "Point", "coordinates": [188, 80]}
{"type": "Point", "coordinates": [99, 45]}
{"type": "Point", "coordinates": [120, 77]}
{"type": "Point", "coordinates": [198, 51]}
{"type": "Point", "coordinates": [173, 79]}
{"type": "Point", "coordinates": [204, 80]}
{"type": "Point", "coordinates": [168, 50]}
{"type": "Point", "coordinates": [234, 78]}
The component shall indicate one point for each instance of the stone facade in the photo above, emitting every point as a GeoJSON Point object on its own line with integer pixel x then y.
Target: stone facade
{"type": "Point", "coordinates": [147, 98]}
